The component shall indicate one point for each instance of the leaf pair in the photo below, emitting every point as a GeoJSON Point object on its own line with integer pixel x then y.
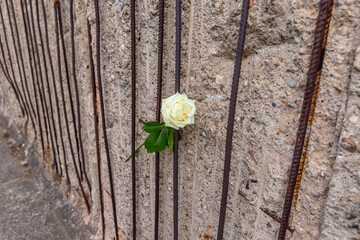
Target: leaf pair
{"type": "Point", "coordinates": [160, 136]}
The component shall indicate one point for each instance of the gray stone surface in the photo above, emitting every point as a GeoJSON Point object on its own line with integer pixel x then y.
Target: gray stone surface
{"type": "Point", "coordinates": [30, 207]}
{"type": "Point", "coordinates": [8, 170]}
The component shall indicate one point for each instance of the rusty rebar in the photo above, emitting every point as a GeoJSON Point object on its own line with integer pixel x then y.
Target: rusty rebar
{"type": "Point", "coordinates": [231, 118]}
{"type": "Point", "coordinates": [158, 111]}
{"type": "Point", "coordinates": [69, 88]}
{"type": "Point", "coordinates": [80, 148]}
{"type": "Point", "coordinates": [56, 95]}
{"type": "Point", "coordinates": [41, 85]}
{"type": "Point", "coordinates": [102, 109]}
{"type": "Point", "coordinates": [133, 113]}
{"type": "Point", "coordinates": [51, 115]}
{"type": "Point", "coordinates": [25, 100]}
{"type": "Point", "coordinates": [22, 105]}
{"type": "Point", "coordinates": [54, 88]}
{"type": "Point", "coordinates": [176, 133]}
{"type": "Point", "coordinates": [29, 48]}
{"type": "Point", "coordinates": [97, 129]}
{"type": "Point", "coordinates": [7, 75]}
{"type": "Point", "coordinates": [34, 83]}
{"type": "Point", "coordinates": [275, 217]}
{"type": "Point", "coordinates": [311, 116]}
{"type": "Point", "coordinates": [315, 67]}
{"type": "Point", "coordinates": [57, 28]}
{"type": "Point", "coordinates": [26, 91]}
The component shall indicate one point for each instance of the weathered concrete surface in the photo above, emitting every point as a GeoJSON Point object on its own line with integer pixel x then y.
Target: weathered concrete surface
{"type": "Point", "coordinates": [278, 47]}
{"type": "Point", "coordinates": [31, 206]}
{"type": "Point", "coordinates": [342, 212]}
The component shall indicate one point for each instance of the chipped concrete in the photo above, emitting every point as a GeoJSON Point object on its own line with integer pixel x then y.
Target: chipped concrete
{"type": "Point", "coordinates": [278, 47]}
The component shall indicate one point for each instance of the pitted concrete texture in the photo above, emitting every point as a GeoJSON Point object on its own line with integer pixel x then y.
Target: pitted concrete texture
{"type": "Point", "coordinates": [27, 211]}
{"type": "Point", "coordinates": [278, 47]}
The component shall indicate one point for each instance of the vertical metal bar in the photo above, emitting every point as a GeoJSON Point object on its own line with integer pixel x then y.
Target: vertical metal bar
{"type": "Point", "coordinates": [102, 109]}
{"type": "Point", "coordinates": [35, 83]}
{"type": "Point", "coordinates": [56, 95]}
{"type": "Point", "coordinates": [25, 101]}
{"type": "Point", "coordinates": [27, 97]}
{"type": "Point", "coordinates": [158, 111]}
{"type": "Point", "coordinates": [69, 89]}
{"type": "Point", "coordinates": [54, 87]}
{"type": "Point", "coordinates": [59, 27]}
{"type": "Point", "coordinates": [48, 90]}
{"type": "Point", "coordinates": [80, 148]}
{"type": "Point", "coordinates": [312, 115]}
{"type": "Point", "coordinates": [232, 112]}
{"type": "Point", "coordinates": [315, 67]}
{"type": "Point", "coordinates": [97, 129]}
{"type": "Point", "coordinates": [40, 86]}
{"type": "Point", "coordinates": [133, 113]}
{"type": "Point", "coordinates": [30, 62]}
{"type": "Point", "coordinates": [176, 133]}
{"type": "Point", "coordinates": [11, 81]}
{"type": "Point", "coordinates": [22, 106]}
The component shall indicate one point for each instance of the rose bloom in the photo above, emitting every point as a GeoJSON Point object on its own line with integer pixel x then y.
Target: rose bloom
{"type": "Point", "coordinates": [178, 111]}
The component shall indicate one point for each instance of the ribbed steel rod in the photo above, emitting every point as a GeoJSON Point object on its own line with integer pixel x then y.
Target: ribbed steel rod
{"type": "Point", "coordinates": [158, 111]}
{"type": "Point", "coordinates": [102, 109]}
{"type": "Point", "coordinates": [56, 95]}
{"type": "Point", "coordinates": [57, 28]}
{"type": "Point", "coordinates": [97, 129]}
{"type": "Point", "coordinates": [22, 105]}
{"type": "Point", "coordinates": [35, 83]}
{"type": "Point", "coordinates": [49, 107]}
{"type": "Point", "coordinates": [67, 75]}
{"type": "Point", "coordinates": [7, 75]}
{"type": "Point", "coordinates": [316, 62]}
{"type": "Point", "coordinates": [27, 92]}
{"type": "Point", "coordinates": [231, 118]}
{"type": "Point", "coordinates": [133, 113]}
{"type": "Point", "coordinates": [40, 84]}
{"type": "Point", "coordinates": [54, 89]}
{"type": "Point", "coordinates": [311, 117]}
{"type": "Point", "coordinates": [176, 133]}
{"type": "Point", "coordinates": [31, 65]}
{"type": "Point", "coordinates": [80, 148]}
{"type": "Point", "coordinates": [25, 99]}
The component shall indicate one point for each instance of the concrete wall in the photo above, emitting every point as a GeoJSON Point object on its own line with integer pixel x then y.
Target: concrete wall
{"type": "Point", "coordinates": [278, 47]}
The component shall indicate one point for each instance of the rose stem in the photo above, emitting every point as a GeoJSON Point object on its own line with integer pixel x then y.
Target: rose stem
{"type": "Point", "coordinates": [135, 151]}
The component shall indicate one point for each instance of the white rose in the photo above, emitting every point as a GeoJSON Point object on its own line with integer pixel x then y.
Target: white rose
{"type": "Point", "coordinates": [178, 111]}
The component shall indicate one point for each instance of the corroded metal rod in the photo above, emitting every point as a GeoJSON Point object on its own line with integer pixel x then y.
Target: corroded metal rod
{"type": "Point", "coordinates": [102, 109]}
{"type": "Point", "coordinates": [48, 90]}
{"type": "Point", "coordinates": [158, 108]}
{"type": "Point", "coordinates": [57, 28]}
{"type": "Point", "coordinates": [57, 98]}
{"type": "Point", "coordinates": [54, 89]}
{"type": "Point", "coordinates": [133, 114]}
{"type": "Point", "coordinates": [231, 118]}
{"type": "Point", "coordinates": [79, 143]}
{"type": "Point", "coordinates": [22, 105]}
{"type": "Point", "coordinates": [97, 129]}
{"type": "Point", "coordinates": [317, 58]}
{"type": "Point", "coordinates": [7, 75]}
{"type": "Point", "coordinates": [176, 133]}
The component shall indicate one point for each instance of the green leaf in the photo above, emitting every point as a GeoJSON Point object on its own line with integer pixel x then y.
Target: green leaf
{"type": "Point", "coordinates": [152, 126]}
{"type": "Point", "coordinates": [156, 141]}
{"type": "Point", "coordinates": [161, 141]}
{"type": "Point", "coordinates": [170, 138]}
